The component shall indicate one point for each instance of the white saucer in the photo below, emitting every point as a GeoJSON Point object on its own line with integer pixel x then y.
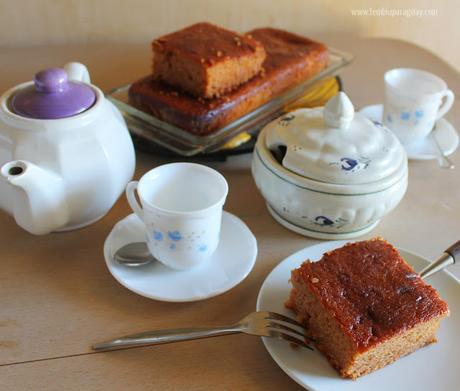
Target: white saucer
{"type": "Point", "coordinates": [232, 261]}
{"type": "Point", "coordinates": [425, 149]}
{"type": "Point", "coordinates": [435, 367]}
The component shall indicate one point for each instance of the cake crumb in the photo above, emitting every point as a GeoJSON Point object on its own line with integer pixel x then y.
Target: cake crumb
{"type": "Point", "coordinates": [237, 41]}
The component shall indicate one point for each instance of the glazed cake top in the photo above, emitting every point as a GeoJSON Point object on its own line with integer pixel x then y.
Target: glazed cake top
{"type": "Point", "coordinates": [286, 53]}
{"type": "Point", "coordinates": [288, 58]}
{"type": "Point", "coordinates": [285, 48]}
{"type": "Point", "coordinates": [371, 291]}
{"type": "Point", "coordinates": [207, 43]}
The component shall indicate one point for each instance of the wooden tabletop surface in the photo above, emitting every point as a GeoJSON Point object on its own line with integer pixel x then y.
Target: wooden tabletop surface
{"type": "Point", "coordinates": [57, 297]}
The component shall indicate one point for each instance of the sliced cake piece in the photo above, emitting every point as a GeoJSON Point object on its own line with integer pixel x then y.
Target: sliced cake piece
{"type": "Point", "coordinates": [291, 60]}
{"type": "Point", "coordinates": [206, 60]}
{"type": "Point", "coordinates": [365, 306]}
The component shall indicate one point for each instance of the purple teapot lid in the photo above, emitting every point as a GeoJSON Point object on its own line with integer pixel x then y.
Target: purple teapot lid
{"type": "Point", "coordinates": [53, 96]}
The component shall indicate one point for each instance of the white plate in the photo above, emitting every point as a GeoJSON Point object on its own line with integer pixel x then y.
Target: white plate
{"type": "Point", "coordinates": [445, 134]}
{"type": "Point", "coordinates": [435, 367]}
{"type": "Point", "coordinates": [232, 261]}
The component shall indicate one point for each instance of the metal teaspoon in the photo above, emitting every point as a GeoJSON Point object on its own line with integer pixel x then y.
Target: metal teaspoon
{"type": "Point", "coordinates": [134, 254]}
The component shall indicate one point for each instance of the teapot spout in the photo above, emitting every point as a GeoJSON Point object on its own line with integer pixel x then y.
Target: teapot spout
{"type": "Point", "coordinates": [39, 201]}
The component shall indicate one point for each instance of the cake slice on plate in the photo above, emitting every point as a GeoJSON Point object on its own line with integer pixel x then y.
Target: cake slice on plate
{"type": "Point", "coordinates": [365, 306]}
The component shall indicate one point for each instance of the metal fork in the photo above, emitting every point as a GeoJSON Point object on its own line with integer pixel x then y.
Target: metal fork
{"type": "Point", "coordinates": [261, 323]}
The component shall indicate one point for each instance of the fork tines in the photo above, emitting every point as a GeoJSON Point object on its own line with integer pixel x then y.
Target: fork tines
{"type": "Point", "coordinates": [275, 323]}
{"type": "Point", "coordinates": [289, 338]}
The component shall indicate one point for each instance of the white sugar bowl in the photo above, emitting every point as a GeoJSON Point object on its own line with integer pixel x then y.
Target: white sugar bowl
{"type": "Point", "coordinates": [329, 173]}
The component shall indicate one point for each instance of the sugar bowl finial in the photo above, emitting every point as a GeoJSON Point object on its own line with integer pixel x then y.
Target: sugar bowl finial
{"type": "Point", "coordinates": [339, 111]}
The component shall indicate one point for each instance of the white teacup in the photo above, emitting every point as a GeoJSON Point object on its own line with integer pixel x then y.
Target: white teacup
{"type": "Point", "coordinates": [181, 207]}
{"type": "Point", "coordinates": [413, 103]}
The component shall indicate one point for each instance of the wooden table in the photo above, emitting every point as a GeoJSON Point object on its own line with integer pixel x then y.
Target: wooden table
{"type": "Point", "coordinates": [57, 297]}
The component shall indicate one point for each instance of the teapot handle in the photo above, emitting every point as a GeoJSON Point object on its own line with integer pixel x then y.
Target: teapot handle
{"type": "Point", "coordinates": [77, 72]}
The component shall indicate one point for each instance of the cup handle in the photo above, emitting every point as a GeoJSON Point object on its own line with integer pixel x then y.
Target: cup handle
{"type": "Point", "coordinates": [445, 107]}
{"type": "Point", "coordinates": [132, 201]}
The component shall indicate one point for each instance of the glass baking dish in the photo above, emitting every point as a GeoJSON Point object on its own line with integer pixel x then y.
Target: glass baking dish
{"type": "Point", "coordinates": [185, 143]}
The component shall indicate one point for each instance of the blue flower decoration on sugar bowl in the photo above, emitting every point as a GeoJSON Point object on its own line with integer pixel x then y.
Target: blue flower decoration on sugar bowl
{"type": "Point", "coordinates": [352, 165]}
{"type": "Point", "coordinates": [340, 174]}
{"type": "Point", "coordinates": [323, 220]}
{"type": "Point", "coordinates": [328, 222]}
{"type": "Point", "coordinates": [348, 164]}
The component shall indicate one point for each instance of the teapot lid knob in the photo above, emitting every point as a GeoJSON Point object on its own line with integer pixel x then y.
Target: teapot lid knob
{"type": "Point", "coordinates": [51, 80]}
{"type": "Point", "coordinates": [53, 96]}
{"type": "Point", "coordinates": [339, 111]}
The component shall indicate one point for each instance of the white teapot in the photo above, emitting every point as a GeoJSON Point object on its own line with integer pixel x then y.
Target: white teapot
{"type": "Point", "coordinates": [65, 151]}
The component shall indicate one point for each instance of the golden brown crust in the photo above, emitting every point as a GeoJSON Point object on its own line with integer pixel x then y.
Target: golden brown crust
{"type": "Point", "coordinates": [206, 60]}
{"type": "Point", "coordinates": [372, 291]}
{"type": "Point", "coordinates": [290, 60]}
{"type": "Point", "coordinates": [207, 44]}
{"type": "Point", "coordinates": [365, 306]}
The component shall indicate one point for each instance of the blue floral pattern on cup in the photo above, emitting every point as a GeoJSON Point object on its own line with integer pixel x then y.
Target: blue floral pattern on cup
{"type": "Point", "coordinates": [405, 116]}
{"type": "Point", "coordinates": [157, 235]}
{"type": "Point", "coordinates": [176, 240]}
{"type": "Point", "coordinates": [174, 236]}
{"type": "Point", "coordinates": [202, 248]}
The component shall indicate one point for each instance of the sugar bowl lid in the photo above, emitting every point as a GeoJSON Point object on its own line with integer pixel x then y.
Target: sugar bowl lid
{"type": "Point", "coordinates": [335, 145]}
{"type": "Point", "coordinates": [52, 96]}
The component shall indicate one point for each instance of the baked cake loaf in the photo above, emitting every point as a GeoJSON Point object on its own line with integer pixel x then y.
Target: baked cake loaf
{"type": "Point", "coordinates": [206, 60]}
{"type": "Point", "coordinates": [365, 306]}
{"type": "Point", "coordinates": [291, 59]}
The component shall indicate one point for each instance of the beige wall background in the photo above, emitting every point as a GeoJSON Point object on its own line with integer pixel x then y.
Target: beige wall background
{"type": "Point", "coordinates": [49, 22]}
